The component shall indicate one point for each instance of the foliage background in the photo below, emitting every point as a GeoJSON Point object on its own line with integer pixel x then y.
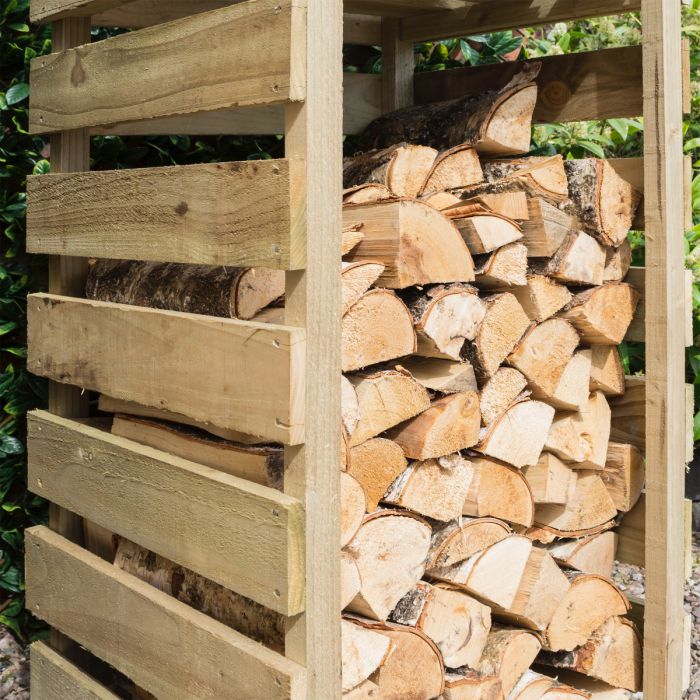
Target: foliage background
{"type": "Point", "coordinates": [22, 154]}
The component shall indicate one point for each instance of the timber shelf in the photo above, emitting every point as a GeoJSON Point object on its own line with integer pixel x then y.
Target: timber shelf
{"type": "Point", "coordinates": [262, 67]}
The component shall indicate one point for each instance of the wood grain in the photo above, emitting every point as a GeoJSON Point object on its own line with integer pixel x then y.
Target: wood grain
{"type": "Point", "coordinates": [146, 634]}
{"type": "Point", "coordinates": [158, 71]}
{"type": "Point", "coordinates": [398, 66]}
{"type": "Point", "coordinates": [41, 11]}
{"type": "Point", "coordinates": [247, 537]}
{"type": "Point", "coordinates": [235, 214]}
{"type": "Point", "coordinates": [234, 374]}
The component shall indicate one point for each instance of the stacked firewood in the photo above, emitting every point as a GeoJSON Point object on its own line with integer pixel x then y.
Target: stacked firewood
{"type": "Point", "coordinates": [483, 303]}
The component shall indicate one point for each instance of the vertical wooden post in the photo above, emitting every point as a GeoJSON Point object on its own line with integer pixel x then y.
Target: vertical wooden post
{"type": "Point", "coordinates": [665, 365]}
{"type": "Point", "coordinates": [398, 65]}
{"type": "Point", "coordinates": [313, 133]}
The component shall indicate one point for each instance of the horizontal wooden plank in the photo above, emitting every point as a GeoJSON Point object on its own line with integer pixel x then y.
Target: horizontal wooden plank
{"type": "Point", "coordinates": [233, 374]}
{"type": "Point", "coordinates": [573, 87]}
{"type": "Point", "coordinates": [41, 11]}
{"type": "Point", "coordinates": [247, 537]}
{"type": "Point", "coordinates": [163, 645]}
{"type": "Point", "coordinates": [236, 214]}
{"type": "Point", "coordinates": [53, 677]}
{"type": "Point", "coordinates": [157, 72]}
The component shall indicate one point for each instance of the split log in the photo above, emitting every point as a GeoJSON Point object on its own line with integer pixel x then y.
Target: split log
{"type": "Point", "coordinates": [617, 262]}
{"type": "Point", "coordinates": [508, 655]}
{"type": "Point", "coordinates": [357, 278]}
{"type": "Point", "coordinates": [228, 292]}
{"type": "Point", "coordinates": [590, 601]}
{"type": "Point", "coordinates": [531, 686]}
{"type": "Point", "coordinates": [385, 399]}
{"type": "Point", "coordinates": [367, 690]}
{"type": "Point", "coordinates": [415, 243]}
{"type": "Point", "coordinates": [542, 297]}
{"type": "Point", "coordinates": [603, 203]}
{"type": "Point", "coordinates": [597, 690]}
{"type": "Point", "coordinates": [497, 122]}
{"type": "Point", "coordinates": [445, 316]}
{"type": "Point", "coordinates": [602, 315]}
{"type": "Point", "coordinates": [538, 175]}
{"type": "Point", "coordinates": [465, 684]}
{"type": "Point", "coordinates": [512, 203]}
{"type": "Point", "coordinates": [452, 423]}
{"type": "Point", "coordinates": [458, 624]}
{"type": "Point", "coordinates": [543, 354]}
{"type": "Point", "coordinates": [484, 231]}
{"type": "Point", "coordinates": [502, 269]}
{"type": "Point", "coordinates": [349, 406]}
{"type": "Point", "coordinates": [499, 491]}
{"type": "Point", "coordinates": [612, 654]}
{"type": "Point", "coordinates": [441, 376]}
{"type": "Point", "coordinates": [579, 260]}
{"type": "Point", "coordinates": [549, 479]}
{"type": "Point", "coordinates": [590, 555]}
{"type": "Point", "coordinates": [624, 475]}
{"type": "Point", "coordinates": [376, 463]}
{"type": "Point", "coordinates": [363, 652]}
{"type": "Point", "coordinates": [366, 194]}
{"type": "Point", "coordinates": [435, 488]}
{"type": "Point", "coordinates": [499, 392]}
{"type": "Point", "coordinates": [629, 414]}
{"type": "Point", "coordinates": [454, 168]}
{"type": "Point", "coordinates": [242, 614]}
{"type": "Point", "coordinates": [390, 550]}
{"type": "Point", "coordinates": [546, 228]}
{"type": "Point", "coordinates": [376, 329]}
{"type": "Point", "coordinates": [442, 201]}
{"type": "Point", "coordinates": [352, 507]}
{"type": "Point", "coordinates": [573, 389]}
{"type": "Point", "coordinates": [607, 374]}
{"type": "Point", "coordinates": [517, 437]}
{"type": "Point", "coordinates": [502, 327]}
{"type": "Point", "coordinates": [402, 168]}
{"type": "Point", "coordinates": [263, 464]}
{"type": "Point", "coordinates": [351, 236]}
{"type": "Point", "coordinates": [350, 583]}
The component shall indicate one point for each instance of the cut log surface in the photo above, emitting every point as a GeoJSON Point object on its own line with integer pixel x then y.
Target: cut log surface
{"type": "Point", "coordinates": [612, 654]}
{"type": "Point", "coordinates": [542, 297]}
{"type": "Point", "coordinates": [573, 389]}
{"type": "Point", "coordinates": [502, 269]}
{"type": "Point", "coordinates": [617, 262]}
{"type": "Point", "coordinates": [465, 684]}
{"type": "Point", "coordinates": [366, 194]}
{"type": "Point", "coordinates": [590, 601]}
{"type": "Point", "coordinates": [442, 376]}
{"type": "Point", "coordinates": [458, 624]}
{"type": "Point", "coordinates": [351, 236]}
{"type": "Point", "coordinates": [452, 423]}
{"type": "Point", "coordinates": [485, 231]}
{"type": "Point", "coordinates": [597, 690]}
{"type": "Point", "coordinates": [624, 475]}
{"type": "Point", "coordinates": [454, 168]}
{"type": "Point", "coordinates": [350, 583]}
{"type": "Point", "coordinates": [549, 479]}
{"type": "Point", "coordinates": [385, 399]}
{"type": "Point", "coordinates": [377, 328]}
{"type": "Point", "coordinates": [390, 550]}
{"type": "Point", "coordinates": [499, 392]}
{"type": "Point", "coordinates": [504, 198]}
{"type": "Point", "coordinates": [352, 507]}
{"type": "Point", "coordinates": [517, 437]}
{"type": "Point", "coordinates": [604, 203]}
{"type": "Point", "coordinates": [546, 227]}
{"type": "Point", "coordinates": [350, 409]}
{"type": "Point", "coordinates": [363, 652]}
{"type": "Point", "coordinates": [445, 316]}
{"type": "Point", "coordinates": [229, 292]}
{"type": "Point", "coordinates": [607, 374]}
{"type": "Point", "coordinates": [531, 686]}
{"type": "Point", "coordinates": [367, 690]}
{"type": "Point", "coordinates": [415, 243]}
{"type": "Point", "coordinates": [579, 260]}
{"type": "Point", "coordinates": [435, 488]}
{"type": "Point", "coordinates": [539, 175]}
{"type": "Point", "coordinates": [499, 491]}
{"type": "Point", "coordinates": [357, 278]}
{"type": "Point", "coordinates": [508, 654]}
{"type": "Point", "coordinates": [602, 315]}
{"type": "Point", "coordinates": [401, 168]}
{"type": "Point", "coordinates": [263, 464]}
{"type": "Point", "coordinates": [375, 464]}
{"type": "Point", "coordinates": [590, 555]}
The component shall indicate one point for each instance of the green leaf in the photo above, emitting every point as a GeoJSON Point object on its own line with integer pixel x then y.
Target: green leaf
{"type": "Point", "coordinates": [593, 148]}
{"type": "Point", "coordinates": [17, 93]}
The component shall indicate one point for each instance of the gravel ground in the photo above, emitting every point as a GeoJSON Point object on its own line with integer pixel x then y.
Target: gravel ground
{"type": "Point", "coordinates": [14, 668]}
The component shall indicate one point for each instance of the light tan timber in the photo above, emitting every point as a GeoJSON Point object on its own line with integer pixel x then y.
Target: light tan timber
{"type": "Point", "coordinates": [435, 488]}
{"type": "Point", "coordinates": [545, 229]}
{"type": "Point", "coordinates": [518, 436]}
{"type": "Point", "coordinates": [458, 624]}
{"type": "Point", "coordinates": [353, 506]}
{"type": "Point", "coordinates": [629, 413]}
{"type": "Point", "coordinates": [574, 386]}
{"type": "Point", "coordinates": [377, 328]}
{"type": "Point", "coordinates": [508, 654]}
{"type": "Point", "coordinates": [54, 677]}
{"type": "Point", "coordinates": [442, 376]}
{"type": "Point", "coordinates": [591, 555]}
{"type": "Point", "coordinates": [624, 475]}
{"type": "Point", "coordinates": [457, 167]}
{"type": "Point", "coordinates": [617, 262]}
{"type": "Point", "coordinates": [121, 485]}
{"type": "Point", "coordinates": [452, 423]}
{"type": "Point", "coordinates": [51, 10]}
{"type": "Point", "coordinates": [499, 392]}
{"type": "Point", "coordinates": [398, 63]}
{"type": "Point", "coordinates": [484, 231]}
{"type": "Point", "coordinates": [416, 243]}
{"type": "Point", "coordinates": [506, 267]}
{"type": "Point", "coordinates": [579, 260]}
{"type": "Point", "coordinates": [612, 654]}
{"type": "Point", "coordinates": [549, 479]}
{"type": "Point", "coordinates": [607, 374]}
{"type": "Point", "coordinates": [375, 464]}
{"type": "Point", "coordinates": [541, 297]}
{"type": "Point", "coordinates": [590, 601]}
{"type": "Point", "coordinates": [255, 358]}
{"type": "Point", "coordinates": [261, 464]}
{"type": "Point", "coordinates": [169, 83]}
{"type": "Point", "coordinates": [363, 651]}
{"type": "Point", "coordinates": [356, 279]}
{"type": "Point", "coordinates": [235, 214]}
{"type": "Point", "coordinates": [385, 399]}
{"type": "Point", "coordinates": [499, 491]}
{"type": "Point", "coordinates": [63, 579]}
{"type": "Point", "coordinates": [464, 684]}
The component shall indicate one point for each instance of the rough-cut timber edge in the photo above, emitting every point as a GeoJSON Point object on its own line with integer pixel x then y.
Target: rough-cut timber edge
{"type": "Point", "coordinates": [248, 537]}
{"type": "Point", "coordinates": [53, 677]}
{"type": "Point", "coordinates": [81, 342]}
{"type": "Point", "coordinates": [145, 633]}
{"type": "Point", "coordinates": [131, 77]}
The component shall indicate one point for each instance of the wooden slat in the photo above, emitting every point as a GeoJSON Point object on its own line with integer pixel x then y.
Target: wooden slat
{"type": "Point", "coordinates": [55, 678]}
{"type": "Point", "coordinates": [160, 71]}
{"type": "Point", "coordinates": [41, 11]}
{"type": "Point", "coordinates": [234, 374]}
{"type": "Point", "coordinates": [237, 214]}
{"type": "Point", "coordinates": [398, 68]}
{"type": "Point", "coordinates": [163, 645]}
{"type": "Point", "coordinates": [246, 537]}
{"type": "Point", "coordinates": [572, 87]}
